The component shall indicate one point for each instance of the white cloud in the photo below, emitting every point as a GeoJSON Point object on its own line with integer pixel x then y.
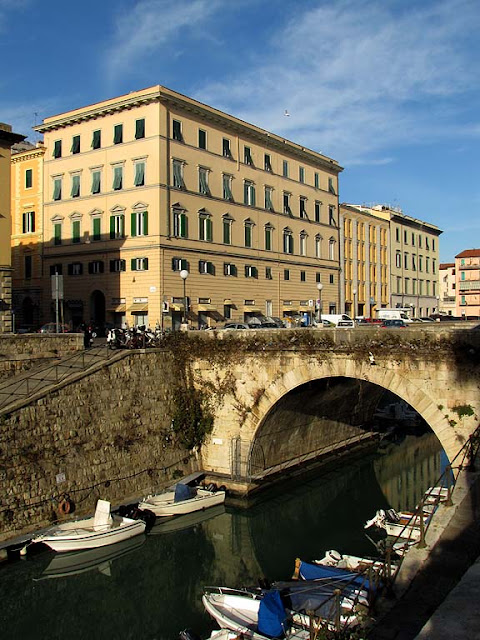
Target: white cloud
{"type": "Point", "coordinates": [358, 76]}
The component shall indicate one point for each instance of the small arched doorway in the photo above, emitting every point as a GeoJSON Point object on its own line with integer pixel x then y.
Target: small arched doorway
{"type": "Point", "coordinates": [97, 308]}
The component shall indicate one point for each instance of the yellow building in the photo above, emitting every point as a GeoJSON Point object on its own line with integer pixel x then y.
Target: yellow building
{"type": "Point", "coordinates": [364, 256]}
{"type": "Point", "coordinates": [7, 139]}
{"type": "Point", "coordinates": [145, 185]}
{"type": "Point", "coordinates": [27, 233]}
{"type": "Point", "coordinates": [412, 261]}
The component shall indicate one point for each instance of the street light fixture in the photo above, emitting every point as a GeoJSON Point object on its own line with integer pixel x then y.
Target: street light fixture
{"type": "Point", "coordinates": [319, 287]}
{"type": "Point", "coordinates": [354, 303]}
{"type": "Point", "coordinates": [184, 276]}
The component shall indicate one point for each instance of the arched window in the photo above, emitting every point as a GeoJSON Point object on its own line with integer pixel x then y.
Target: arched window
{"type": "Point", "coordinates": [318, 246]}
{"type": "Point", "coordinates": [331, 249]}
{"type": "Point", "coordinates": [287, 240]}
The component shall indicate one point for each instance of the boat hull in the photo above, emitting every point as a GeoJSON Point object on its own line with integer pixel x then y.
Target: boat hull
{"type": "Point", "coordinates": [164, 504]}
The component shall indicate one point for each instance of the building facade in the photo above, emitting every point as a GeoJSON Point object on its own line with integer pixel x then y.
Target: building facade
{"type": "Point", "coordinates": [447, 289]}
{"type": "Point", "coordinates": [7, 140]}
{"type": "Point", "coordinates": [27, 234]}
{"type": "Point", "coordinates": [467, 282]}
{"type": "Point", "coordinates": [145, 186]}
{"type": "Point", "coordinates": [413, 249]}
{"type": "Point", "coordinates": [364, 256]}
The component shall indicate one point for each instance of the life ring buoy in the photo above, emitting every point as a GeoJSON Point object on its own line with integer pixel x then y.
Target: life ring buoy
{"type": "Point", "coordinates": [65, 506]}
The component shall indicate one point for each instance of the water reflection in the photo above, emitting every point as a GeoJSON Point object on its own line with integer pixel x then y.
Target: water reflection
{"type": "Point", "coordinates": [153, 590]}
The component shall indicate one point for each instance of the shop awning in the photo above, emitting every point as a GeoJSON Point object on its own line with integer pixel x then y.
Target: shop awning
{"type": "Point", "coordinates": [289, 307]}
{"type": "Point", "coordinates": [176, 307]}
{"type": "Point", "coordinates": [207, 307]}
{"type": "Point", "coordinates": [117, 308]}
{"type": "Point", "coordinates": [252, 309]}
{"type": "Point", "coordinates": [139, 307]}
{"type": "Point", "coordinates": [228, 302]}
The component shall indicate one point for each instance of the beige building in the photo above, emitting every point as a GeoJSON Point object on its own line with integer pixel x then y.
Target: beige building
{"type": "Point", "coordinates": [143, 186]}
{"type": "Point", "coordinates": [27, 234]}
{"type": "Point", "coordinates": [364, 257]}
{"type": "Point", "coordinates": [467, 283]}
{"type": "Point", "coordinates": [7, 139]}
{"type": "Point", "coordinates": [447, 289]}
{"type": "Point", "coordinates": [413, 260]}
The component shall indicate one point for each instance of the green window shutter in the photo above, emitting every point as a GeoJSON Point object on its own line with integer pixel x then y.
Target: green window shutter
{"type": "Point", "coordinates": [133, 264]}
{"type": "Point", "coordinates": [245, 193]}
{"type": "Point", "coordinates": [145, 223]}
{"type": "Point", "coordinates": [268, 240]}
{"type": "Point", "coordinates": [117, 178]}
{"type": "Point", "coordinates": [139, 174]}
{"type": "Point", "coordinates": [118, 134]}
{"type": "Point", "coordinates": [183, 225]}
{"type": "Point", "coordinates": [75, 192]}
{"type": "Point", "coordinates": [122, 226]}
{"type": "Point", "coordinates": [226, 233]}
{"type": "Point", "coordinates": [96, 182]}
{"type": "Point", "coordinates": [145, 264]}
{"type": "Point", "coordinates": [252, 194]}
{"type": "Point", "coordinates": [96, 140]}
{"type": "Point", "coordinates": [96, 229]}
{"type": "Point", "coordinates": [57, 149]}
{"type": "Point", "coordinates": [28, 178]}
{"type": "Point", "coordinates": [76, 231]}
{"type": "Point", "coordinates": [133, 225]}
{"type": "Point", "coordinates": [57, 233]}
{"type": "Point", "coordinates": [112, 227]}
{"type": "Point", "coordinates": [209, 230]}
{"type": "Point", "coordinates": [24, 223]}
{"type": "Point", "coordinates": [210, 268]}
{"type": "Point", "coordinates": [57, 190]}
{"type": "Point", "coordinates": [75, 144]}
{"type": "Point", "coordinates": [139, 129]}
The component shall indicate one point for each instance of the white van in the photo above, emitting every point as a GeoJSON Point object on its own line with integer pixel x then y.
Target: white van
{"type": "Point", "coordinates": [394, 314]}
{"type": "Point", "coordinates": [340, 320]}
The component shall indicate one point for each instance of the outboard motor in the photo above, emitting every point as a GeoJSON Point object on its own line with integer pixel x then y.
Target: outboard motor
{"type": "Point", "coordinates": [393, 516]}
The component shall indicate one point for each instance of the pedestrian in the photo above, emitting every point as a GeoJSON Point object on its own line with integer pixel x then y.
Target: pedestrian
{"type": "Point", "coordinates": [87, 337]}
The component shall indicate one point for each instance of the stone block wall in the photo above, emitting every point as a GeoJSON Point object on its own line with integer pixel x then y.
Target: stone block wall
{"type": "Point", "coordinates": [5, 299]}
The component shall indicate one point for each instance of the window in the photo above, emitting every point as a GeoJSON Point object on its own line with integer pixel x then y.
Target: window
{"type": "Point", "coordinates": [414, 263]}
{"type": "Point", "coordinates": [139, 264]}
{"type": "Point", "coordinates": [118, 134]}
{"type": "Point", "coordinates": [28, 267]}
{"type": "Point", "coordinates": [413, 239]}
{"type": "Point", "coordinates": [286, 274]}
{"type": "Point", "coordinates": [318, 205]}
{"type": "Point", "coordinates": [180, 223]}
{"type": "Point", "coordinates": [301, 174]}
{"type": "Point", "coordinates": [139, 223]}
{"type": "Point", "coordinates": [285, 169]}
{"type": "Point", "coordinates": [28, 222]}
{"type": "Point", "coordinates": [249, 193]}
{"type": "Point", "coordinates": [229, 269]}
{"type": "Point", "coordinates": [57, 149]}
{"type": "Point", "coordinates": [56, 269]}
{"type": "Point", "coordinates": [251, 271]}
{"type": "Point", "coordinates": [227, 229]}
{"type": "Point", "coordinates": [303, 243]}
{"type": "Point", "coordinates": [331, 216]}
{"type": "Point", "coordinates": [398, 260]}
{"type": "Point", "coordinates": [303, 207]}
{"type": "Point", "coordinates": [397, 234]}
{"type": "Point", "coordinates": [206, 267]}
{"type": "Point", "coordinates": [268, 199]}
{"type": "Point", "coordinates": [117, 226]}
{"type": "Point", "coordinates": [178, 264]}
{"type": "Point", "coordinates": [227, 187]}
{"type": "Point", "coordinates": [97, 139]}
{"type": "Point", "coordinates": [420, 263]}
{"type": "Point", "coordinates": [96, 181]}
{"type": "Point", "coordinates": [178, 182]}
{"type": "Point", "coordinates": [96, 229]}
{"type": "Point", "coordinates": [331, 186]}
{"type": "Point", "coordinates": [434, 266]}
{"type": "Point", "coordinates": [268, 237]}
{"type": "Point", "coordinates": [202, 139]}
{"type": "Point", "coordinates": [57, 188]}
{"type": "Point", "coordinates": [75, 192]}
{"type": "Point", "coordinates": [28, 178]}
{"type": "Point", "coordinates": [405, 237]}
{"type": "Point", "coordinates": [117, 265]}
{"type": "Point", "coordinates": [462, 275]}
{"type": "Point", "coordinates": [419, 241]}
{"type": "Point", "coordinates": [318, 246]}
{"type": "Point", "coordinates": [95, 267]}
{"type": "Point", "coordinates": [75, 231]}
{"type": "Point", "coordinates": [433, 244]}
{"type": "Point", "coordinates": [227, 153]}
{"type": "Point", "coordinates": [75, 145]}
{"type": "Point", "coordinates": [57, 233]}
{"type": "Point", "coordinates": [177, 130]}
{"type": "Point", "coordinates": [267, 163]}
{"type": "Point", "coordinates": [75, 269]}
{"type": "Point", "coordinates": [287, 241]}
{"type": "Point", "coordinates": [286, 203]}
{"type": "Point", "coordinates": [268, 273]}
{"type": "Point", "coordinates": [139, 180]}
{"type": "Point", "coordinates": [140, 129]}
{"type": "Point", "coordinates": [427, 264]}
{"type": "Point", "coordinates": [318, 277]}
{"type": "Point", "coordinates": [248, 232]}
{"type": "Point", "coordinates": [205, 227]}
{"type": "Point", "coordinates": [407, 283]}
{"type": "Point", "coordinates": [303, 276]}
{"type": "Point", "coordinates": [405, 261]}
{"type": "Point", "coordinates": [331, 278]}
{"type": "Point", "coordinates": [427, 244]}
{"type": "Point", "coordinates": [316, 178]}
{"type": "Point", "coordinates": [331, 249]}
{"type": "Point", "coordinates": [117, 178]}
{"type": "Point", "coordinates": [203, 187]}
{"type": "Point", "coordinates": [463, 300]}
{"type": "Point", "coordinates": [247, 156]}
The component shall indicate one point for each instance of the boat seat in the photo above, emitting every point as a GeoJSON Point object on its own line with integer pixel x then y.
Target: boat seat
{"type": "Point", "coordinates": [102, 519]}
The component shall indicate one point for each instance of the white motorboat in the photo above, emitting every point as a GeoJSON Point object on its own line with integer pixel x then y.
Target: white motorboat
{"type": "Point", "coordinates": [399, 525]}
{"type": "Point", "coordinates": [180, 523]}
{"type": "Point", "coordinates": [182, 499]}
{"type": "Point", "coordinates": [100, 530]}
{"type": "Point", "coordinates": [384, 569]}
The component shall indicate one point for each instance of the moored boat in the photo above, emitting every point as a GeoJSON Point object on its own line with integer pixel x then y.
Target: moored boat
{"type": "Point", "coordinates": [399, 525]}
{"type": "Point", "coordinates": [182, 499]}
{"type": "Point", "coordinates": [89, 533]}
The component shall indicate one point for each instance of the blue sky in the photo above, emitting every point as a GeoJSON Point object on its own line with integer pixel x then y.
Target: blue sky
{"type": "Point", "coordinates": [390, 89]}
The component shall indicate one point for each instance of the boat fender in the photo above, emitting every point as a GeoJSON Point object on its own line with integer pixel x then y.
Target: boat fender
{"type": "Point", "coordinates": [212, 487]}
{"type": "Point", "coordinates": [188, 634]}
{"type": "Point", "coordinates": [66, 506]}
{"type": "Point", "coordinates": [336, 556]}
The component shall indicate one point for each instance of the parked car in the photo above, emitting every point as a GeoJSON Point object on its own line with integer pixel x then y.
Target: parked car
{"type": "Point", "coordinates": [236, 325]}
{"type": "Point", "coordinates": [393, 323]}
{"type": "Point", "coordinates": [25, 328]}
{"type": "Point", "coordinates": [277, 321]}
{"type": "Point", "coordinates": [425, 319]}
{"type": "Point", "coordinates": [51, 327]}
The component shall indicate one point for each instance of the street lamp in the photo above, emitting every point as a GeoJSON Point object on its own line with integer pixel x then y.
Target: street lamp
{"type": "Point", "coordinates": [184, 276]}
{"type": "Point", "coordinates": [319, 287]}
{"type": "Point", "coordinates": [354, 303]}
{"type": "Point", "coordinates": [438, 303]}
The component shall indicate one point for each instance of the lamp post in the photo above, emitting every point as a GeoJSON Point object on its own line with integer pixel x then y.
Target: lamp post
{"type": "Point", "coordinates": [354, 303]}
{"type": "Point", "coordinates": [319, 287]}
{"type": "Point", "coordinates": [184, 276]}
{"type": "Point", "coordinates": [438, 303]}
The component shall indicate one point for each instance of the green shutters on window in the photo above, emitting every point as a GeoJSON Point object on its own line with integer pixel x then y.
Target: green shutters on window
{"type": "Point", "coordinates": [139, 129]}
{"type": "Point", "coordinates": [75, 192]}
{"type": "Point", "coordinates": [227, 225]}
{"type": "Point", "coordinates": [117, 178]}
{"type": "Point", "coordinates": [208, 229]}
{"type": "Point", "coordinates": [118, 134]}
{"type": "Point", "coordinates": [28, 178]}
{"type": "Point", "coordinates": [117, 226]}
{"type": "Point", "coordinates": [57, 233]}
{"type": "Point", "coordinates": [177, 131]}
{"type": "Point", "coordinates": [268, 239]}
{"type": "Point", "coordinates": [76, 231]}
{"type": "Point", "coordinates": [183, 225]}
{"type": "Point", "coordinates": [97, 229]}
{"type": "Point", "coordinates": [178, 182]}
{"type": "Point", "coordinates": [75, 144]}
{"type": "Point", "coordinates": [57, 149]}
{"type": "Point", "coordinates": [145, 223]}
{"type": "Point", "coordinates": [97, 139]}
{"type": "Point", "coordinates": [96, 181]}
{"type": "Point", "coordinates": [202, 139]}
{"type": "Point", "coordinates": [139, 180]}
{"type": "Point", "coordinates": [133, 225]}
{"type": "Point", "coordinates": [57, 189]}
{"type": "Point", "coordinates": [248, 235]}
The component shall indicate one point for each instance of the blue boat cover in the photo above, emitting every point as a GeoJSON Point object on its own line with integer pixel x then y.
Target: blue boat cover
{"type": "Point", "coordinates": [309, 571]}
{"type": "Point", "coordinates": [183, 492]}
{"type": "Point", "coordinates": [271, 615]}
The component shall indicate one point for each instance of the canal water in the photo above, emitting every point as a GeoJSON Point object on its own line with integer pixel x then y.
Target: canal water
{"type": "Point", "coordinates": [150, 588]}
